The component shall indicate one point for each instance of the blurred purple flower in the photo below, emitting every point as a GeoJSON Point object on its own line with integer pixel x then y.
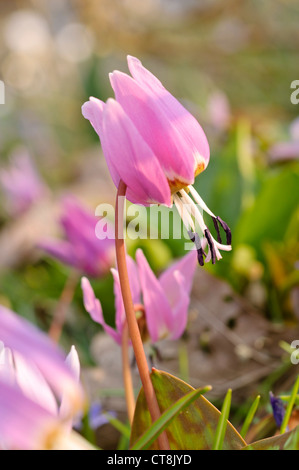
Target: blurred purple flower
{"type": "Point", "coordinates": [33, 376]}
{"type": "Point", "coordinates": [21, 184]}
{"type": "Point", "coordinates": [81, 248]}
{"type": "Point", "coordinates": [278, 409]}
{"type": "Point", "coordinates": [96, 417]}
{"type": "Point", "coordinates": [164, 301]}
{"type": "Point", "coordinates": [289, 150]}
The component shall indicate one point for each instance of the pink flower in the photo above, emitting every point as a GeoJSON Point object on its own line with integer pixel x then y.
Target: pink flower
{"type": "Point", "coordinates": [34, 377]}
{"type": "Point", "coordinates": [218, 110]}
{"type": "Point", "coordinates": [288, 150]}
{"type": "Point", "coordinates": [164, 301]}
{"type": "Point", "coordinates": [26, 340]}
{"type": "Point", "coordinates": [21, 184]}
{"type": "Point", "coordinates": [81, 248]}
{"type": "Point", "coordinates": [156, 147]}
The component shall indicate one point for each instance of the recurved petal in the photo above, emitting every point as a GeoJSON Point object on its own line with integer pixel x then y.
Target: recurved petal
{"type": "Point", "coordinates": [179, 300]}
{"type": "Point", "coordinates": [120, 316]}
{"type": "Point", "coordinates": [186, 266]}
{"type": "Point", "coordinates": [135, 162]}
{"type": "Point", "coordinates": [93, 111]}
{"type": "Point", "coordinates": [94, 308]}
{"type": "Point", "coordinates": [158, 312]}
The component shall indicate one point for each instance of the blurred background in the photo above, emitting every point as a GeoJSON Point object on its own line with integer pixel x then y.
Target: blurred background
{"type": "Point", "coordinates": [231, 64]}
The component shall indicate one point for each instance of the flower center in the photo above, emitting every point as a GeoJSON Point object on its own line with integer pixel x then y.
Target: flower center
{"type": "Point", "coordinates": [141, 321]}
{"type": "Point", "coordinates": [176, 184]}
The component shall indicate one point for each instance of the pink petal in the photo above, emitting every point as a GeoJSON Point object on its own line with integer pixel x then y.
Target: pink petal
{"type": "Point", "coordinates": [186, 266]}
{"type": "Point", "coordinates": [7, 372]}
{"type": "Point", "coordinates": [62, 250]}
{"type": "Point", "coordinates": [24, 424]}
{"type": "Point", "coordinates": [157, 309]}
{"type": "Point", "coordinates": [170, 130]}
{"type": "Point", "coordinates": [93, 111]}
{"type": "Point", "coordinates": [94, 308]}
{"type": "Point", "coordinates": [179, 301]}
{"type": "Point", "coordinates": [73, 363]}
{"type": "Point", "coordinates": [33, 384]}
{"type": "Point", "coordinates": [136, 164]}
{"type": "Point", "coordinates": [22, 336]}
{"type": "Point", "coordinates": [120, 316]}
{"type": "Point", "coordinates": [284, 151]}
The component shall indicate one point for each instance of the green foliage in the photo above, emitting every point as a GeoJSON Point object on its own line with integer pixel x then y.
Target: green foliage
{"type": "Point", "coordinates": [193, 428]}
{"type": "Point", "coordinates": [290, 407]}
{"type": "Point", "coordinates": [151, 434]}
{"type": "Point", "coordinates": [222, 422]}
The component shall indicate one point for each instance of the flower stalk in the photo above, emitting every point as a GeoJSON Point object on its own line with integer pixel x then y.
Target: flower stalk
{"type": "Point", "coordinates": [127, 377]}
{"type": "Point", "coordinates": [133, 328]}
{"type": "Point", "coordinates": [62, 307]}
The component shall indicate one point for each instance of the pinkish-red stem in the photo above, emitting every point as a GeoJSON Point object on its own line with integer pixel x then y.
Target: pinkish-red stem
{"type": "Point", "coordinates": [134, 332]}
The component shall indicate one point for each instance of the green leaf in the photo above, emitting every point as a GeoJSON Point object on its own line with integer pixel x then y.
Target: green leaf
{"type": "Point", "coordinates": [292, 442]}
{"type": "Point", "coordinates": [117, 424]}
{"type": "Point", "coordinates": [271, 212]}
{"type": "Point", "coordinates": [158, 426]}
{"type": "Point", "coordinates": [250, 416]}
{"type": "Point", "coordinates": [280, 441]}
{"type": "Point", "coordinates": [290, 407]}
{"type": "Point", "coordinates": [222, 423]}
{"type": "Point", "coordinates": [193, 428]}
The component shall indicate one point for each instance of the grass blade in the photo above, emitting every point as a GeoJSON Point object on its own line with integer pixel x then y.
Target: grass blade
{"type": "Point", "coordinates": [250, 416]}
{"type": "Point", "coordinates": [163, 421]}
{"type": "Point", "coordinates": [290, 407]}
{"type": "Point", "coordinates": [222, 423]}
{"type": "Point", "coordinates": [117, 424]}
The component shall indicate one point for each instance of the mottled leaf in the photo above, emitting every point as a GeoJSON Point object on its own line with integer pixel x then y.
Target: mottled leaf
{"type": "Point", "coordinates": [193, 428]}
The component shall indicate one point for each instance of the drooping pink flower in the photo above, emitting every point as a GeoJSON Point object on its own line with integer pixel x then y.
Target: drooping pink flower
{"type": "Point", "coordinates": [81, 248]}
{"type": "Point", "coordinates": [157, 148]}
{"type": "Point", "coordinates": [164, 301]}
{"type": "Point", "coordinates": [34, 379]}
{"type": "Point", "coordinates": [21, 184]}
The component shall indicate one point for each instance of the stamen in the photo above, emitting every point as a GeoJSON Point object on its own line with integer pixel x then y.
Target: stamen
{"type": "Point", "coordinates": [190, 214]}
{"type": "Point", "coordinates": [211, 246]}
{"type": "Point", "coordinates": [199, 218]}
{"type": "Point", "coordinates": [185, 215]}
{"type": "Point", "coordinates": [215, 222]}
{"type": "Point", "coordinates": [226, 229]}
{"type": "Point", "coordinates": [216, 219]}
{"type": "Point", "coordinates": [194, 237]}
{"type": "Point", "coordinates": [200, 201]}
